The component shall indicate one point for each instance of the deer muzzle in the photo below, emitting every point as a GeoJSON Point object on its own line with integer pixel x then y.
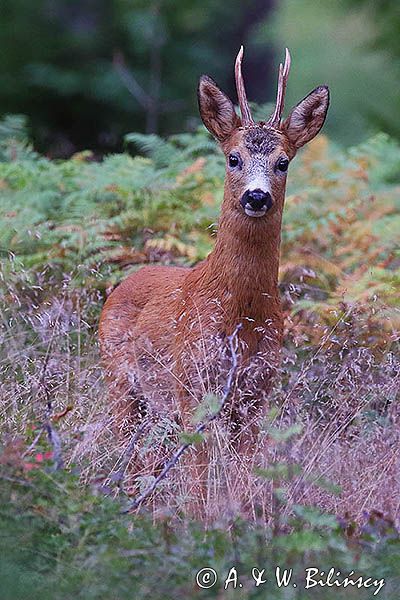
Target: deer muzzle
{"type": "Point", "coordinates": [256, 202]}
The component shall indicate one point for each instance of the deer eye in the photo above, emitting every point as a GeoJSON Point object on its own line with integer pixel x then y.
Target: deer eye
{"type": "Point", "coordinates": [234, 161]}
{"type": "Point", "coordinates": [282, 164]}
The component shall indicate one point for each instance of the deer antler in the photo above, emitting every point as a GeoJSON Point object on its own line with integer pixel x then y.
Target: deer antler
{"type": "Point", "coordinates": [275, 118]}
{"type": "Point", "coordinates": [247, 119]}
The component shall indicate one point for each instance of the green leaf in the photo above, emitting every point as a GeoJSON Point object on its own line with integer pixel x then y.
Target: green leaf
{"type": "Point", "coordinates": [208, 407]}
{"type": "Point", "coordinates": [279, 471]}
{"type": "Point", "coordinates": [315, 517]}
{"type": "Point", "coordinates": [191, 438]}
{"type": "Point", "coordinates": [284, 435]}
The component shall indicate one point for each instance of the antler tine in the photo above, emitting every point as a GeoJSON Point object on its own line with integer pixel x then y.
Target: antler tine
{"type": "Point", "coordinates": [283, 76]}
{"type": "Point", "coordinates": [247, 119]}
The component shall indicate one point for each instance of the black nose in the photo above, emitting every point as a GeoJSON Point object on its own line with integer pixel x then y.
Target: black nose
{"type": "Point", "coordinates": [257, 199]}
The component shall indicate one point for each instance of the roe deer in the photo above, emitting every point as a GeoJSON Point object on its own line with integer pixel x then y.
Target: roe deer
{"type": "Point", "coordinates": [163, 328]}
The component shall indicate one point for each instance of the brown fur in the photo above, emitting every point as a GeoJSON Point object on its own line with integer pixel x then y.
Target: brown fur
{"type": "Point", "coordinates": [162, 330]}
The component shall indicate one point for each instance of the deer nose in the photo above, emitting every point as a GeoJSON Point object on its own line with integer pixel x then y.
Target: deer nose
{"type": "Point", "coordinates": [256, 202]}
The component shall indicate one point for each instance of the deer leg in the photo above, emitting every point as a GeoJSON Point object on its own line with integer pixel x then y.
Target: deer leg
{"type": "Point", "coordinates": [246, 442]}
{"type": "Point", "coordinates": [195, 470]}
{"type": "Point", "coordinates": [194, 464]}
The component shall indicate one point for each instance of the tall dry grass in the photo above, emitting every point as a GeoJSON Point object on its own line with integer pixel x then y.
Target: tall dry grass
{"type": "Point", "coordinates": [333, 416]}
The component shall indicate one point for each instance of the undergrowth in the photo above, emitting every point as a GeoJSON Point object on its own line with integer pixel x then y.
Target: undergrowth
{"type": "Point", "coordinates": [325, 486]}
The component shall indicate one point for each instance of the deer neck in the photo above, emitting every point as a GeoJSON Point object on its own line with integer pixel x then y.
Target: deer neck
{"type": "Point", "coordinates": [242, 270]}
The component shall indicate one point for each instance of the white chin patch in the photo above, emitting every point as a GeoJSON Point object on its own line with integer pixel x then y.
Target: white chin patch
{"type": "Point", "coordinates": [254, 213]}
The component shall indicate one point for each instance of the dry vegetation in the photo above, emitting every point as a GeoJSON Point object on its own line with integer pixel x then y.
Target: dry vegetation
{"type": "Point", "coordinates": [333, 415]}
{"type": "Point", "coordinates": [71, 230]}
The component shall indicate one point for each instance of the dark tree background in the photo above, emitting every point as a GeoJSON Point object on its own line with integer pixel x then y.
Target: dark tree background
{"type": "Point", "coordinates": [86, 72]}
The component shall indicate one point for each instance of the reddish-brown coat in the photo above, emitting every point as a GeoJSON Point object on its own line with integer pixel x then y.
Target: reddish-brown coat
{"type": "Point", "coordinates": [161, 323]}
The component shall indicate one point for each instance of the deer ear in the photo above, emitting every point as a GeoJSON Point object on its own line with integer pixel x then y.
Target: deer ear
{"type": "Point", "coordinates": [307, 118]}
{"type": "Point", "coordinates": [216, 110]}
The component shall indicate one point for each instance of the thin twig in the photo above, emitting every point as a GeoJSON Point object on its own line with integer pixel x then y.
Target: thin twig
{"type": "Point", "coordinates": [147, 101]}
{"type": "Point", "coordinates": [129, 80]}
{"type": "Point", "coordinates": [201, 427]}
{"type": "Point", "coordinates": [33, 444]}
{"type": "Point", "coordinates": [53, 437]}
{"type": "Point", "coordinates": [55, 442]}
{"type": "Point", "coordinates": [118, 475]}
{"type": "Point", "coordinates": [15, 480]}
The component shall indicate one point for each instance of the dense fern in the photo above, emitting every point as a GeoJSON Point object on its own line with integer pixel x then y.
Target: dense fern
{"type": "Point", "coordinates": [341, 220]}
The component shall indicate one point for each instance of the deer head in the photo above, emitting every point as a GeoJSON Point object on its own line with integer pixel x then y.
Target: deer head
{"type": "Point", "coordinates": [258, 153]}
